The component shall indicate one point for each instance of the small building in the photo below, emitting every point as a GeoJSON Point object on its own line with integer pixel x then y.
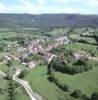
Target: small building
{"type": "Point", "coordinates": [31, 64]}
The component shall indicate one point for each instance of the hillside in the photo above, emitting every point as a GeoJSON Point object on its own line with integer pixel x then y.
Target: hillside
{"type": "Point", "coordinates": [47, 20]}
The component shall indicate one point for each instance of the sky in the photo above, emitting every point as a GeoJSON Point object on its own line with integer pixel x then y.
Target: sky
{"type": "Point", "coordinates": [49, 6]}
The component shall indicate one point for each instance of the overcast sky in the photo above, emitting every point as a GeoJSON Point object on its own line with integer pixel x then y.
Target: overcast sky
{"type": "Point", "coordinates": [49, 6]}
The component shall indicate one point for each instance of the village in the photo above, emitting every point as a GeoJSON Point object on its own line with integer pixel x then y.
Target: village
{"type": "Point", "coordinates": [71, 54]}
{"type": "Point", "coordinates": [33, 48]}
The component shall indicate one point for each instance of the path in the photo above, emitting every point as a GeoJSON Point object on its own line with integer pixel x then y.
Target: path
{"type": "Point", "coordinates": [25, 84]}
{"type": "Point", "coordinates": [27, 87]}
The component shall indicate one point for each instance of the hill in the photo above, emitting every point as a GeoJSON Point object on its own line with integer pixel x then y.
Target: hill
{"type": "Point", "coordinates": [47, 20]}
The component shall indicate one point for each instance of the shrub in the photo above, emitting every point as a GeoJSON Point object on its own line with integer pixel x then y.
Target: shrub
{"type": "Point", "coordinates": [8, 77]}
{"type": "Point", "coordinates": [23, 74]}
{"type": "Point", "coordinates": [94, 96]}
{"type": "Point", "coordinates": [51, 78]}
{"type": "Point", "coordinates": [2, 91]}
{"type": "Point", "coordinates": [77, 94]}
{"type": "Point", "coordinates": [84, 97]}
{"type": "Point", "coordinates": [9, 63]}
{"type": "Point", "coordinates": [64, 87]}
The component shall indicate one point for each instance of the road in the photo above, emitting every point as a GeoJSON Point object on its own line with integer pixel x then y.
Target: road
{"type": "Point", "coordinates": [32, 95]}
{"type": "Point", "coordinates": [26, 86]}
{"type": "Point", "coordinates": [2, 73]}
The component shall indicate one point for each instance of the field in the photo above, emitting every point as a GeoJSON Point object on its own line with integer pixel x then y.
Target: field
{"type": "Point", "coordinates": [4, 68]}
{"type": "Point", "coordinates": [87, 82]}
{"type": "Point", "coordinates": [21, 94]}
{"type": "Point", "coordinates": [39, 81]}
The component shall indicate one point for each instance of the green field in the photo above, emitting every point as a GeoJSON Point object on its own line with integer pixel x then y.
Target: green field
{"type": "Point", "coordinates": [4, 67]}
{"type": "Point", "coordinates": [39, 81]}
{"type": "Point", "coordinates": [21, 94]}
{"type": "Point", "coordinates": [87, 82]}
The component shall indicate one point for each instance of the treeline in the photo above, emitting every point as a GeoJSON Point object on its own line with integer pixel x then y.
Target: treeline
{"type": "Point", "coordinates": [14, 21]}
{"type": "Point", "coordinates": [73, 67]}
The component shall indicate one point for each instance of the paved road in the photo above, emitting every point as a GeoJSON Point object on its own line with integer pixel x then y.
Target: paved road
{"type": "Point", "coordinates": [52, 56]}
{"type": "Point", "coordinates": [27, 87]}
{"type": "Point", "coordinates": [25, 84]}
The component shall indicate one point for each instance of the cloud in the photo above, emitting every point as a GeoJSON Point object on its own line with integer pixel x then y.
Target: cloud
{"type": "Point", "coordinates": [2, 8]}
{"type": "Point", "coordinates": [24, 6]}
{"type": "Point", "coordinates": [44, 6]}
{"type": "Point", "coordinates": [92, 3]}
{"type": "Point", "coordinates": [70, 10]}
{"type": "Point", "coordinates": [66, 1]}
{"type": "Point", "coordinates": [62, 1]}
{"type": "Point", "coordinates": [27, 5]}
{"type": "Point", "coordinates": [41, 2]}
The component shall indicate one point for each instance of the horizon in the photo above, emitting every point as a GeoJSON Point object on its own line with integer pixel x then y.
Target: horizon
{"type": "Point", "coordinates": [83, 7]}
{"type": "Point", "coordinates": [49, 14]}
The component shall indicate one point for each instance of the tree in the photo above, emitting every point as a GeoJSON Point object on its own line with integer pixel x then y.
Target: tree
{"type": "Point", "coordinates": [1, 47]}
{"type": "Point", "coordinates": [22, 74]}
{"type": "Point", "coordinates": [11, 90]}
{"type": "Point", "coordinates": [9, 63]}
{"type": "Point", "coordinates": [84, 97]}
{"type": "Point", "coordinates": [77, 94]}
{"type": "Point", "coordinates": [94, 96]}
{"type": "Point", "coordinates": [2, 91]}
{"type": "Point", "coordinates": [21, 40]}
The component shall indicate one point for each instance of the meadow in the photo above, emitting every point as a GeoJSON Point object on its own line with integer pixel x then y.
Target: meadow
{"type": "Point", "coordinates": [39, 82]}
{"type": "Point", "coordinates": [87, 82]}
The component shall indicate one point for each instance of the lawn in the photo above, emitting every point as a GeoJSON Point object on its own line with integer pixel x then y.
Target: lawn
{"type": "Point", "coordinates": [87, 82]}
{"type": "Point", "coordinates": [38, 80]}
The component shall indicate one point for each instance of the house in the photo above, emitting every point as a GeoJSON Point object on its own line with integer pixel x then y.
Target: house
{"type": "Point", "coordinates": [7, 57]}
{"type": "Point", "coordinates": [13, 56]}
{"type": "Point", "coordinates": [31, 64]}
{"type": "Point", "coordinates": [34, 47]}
